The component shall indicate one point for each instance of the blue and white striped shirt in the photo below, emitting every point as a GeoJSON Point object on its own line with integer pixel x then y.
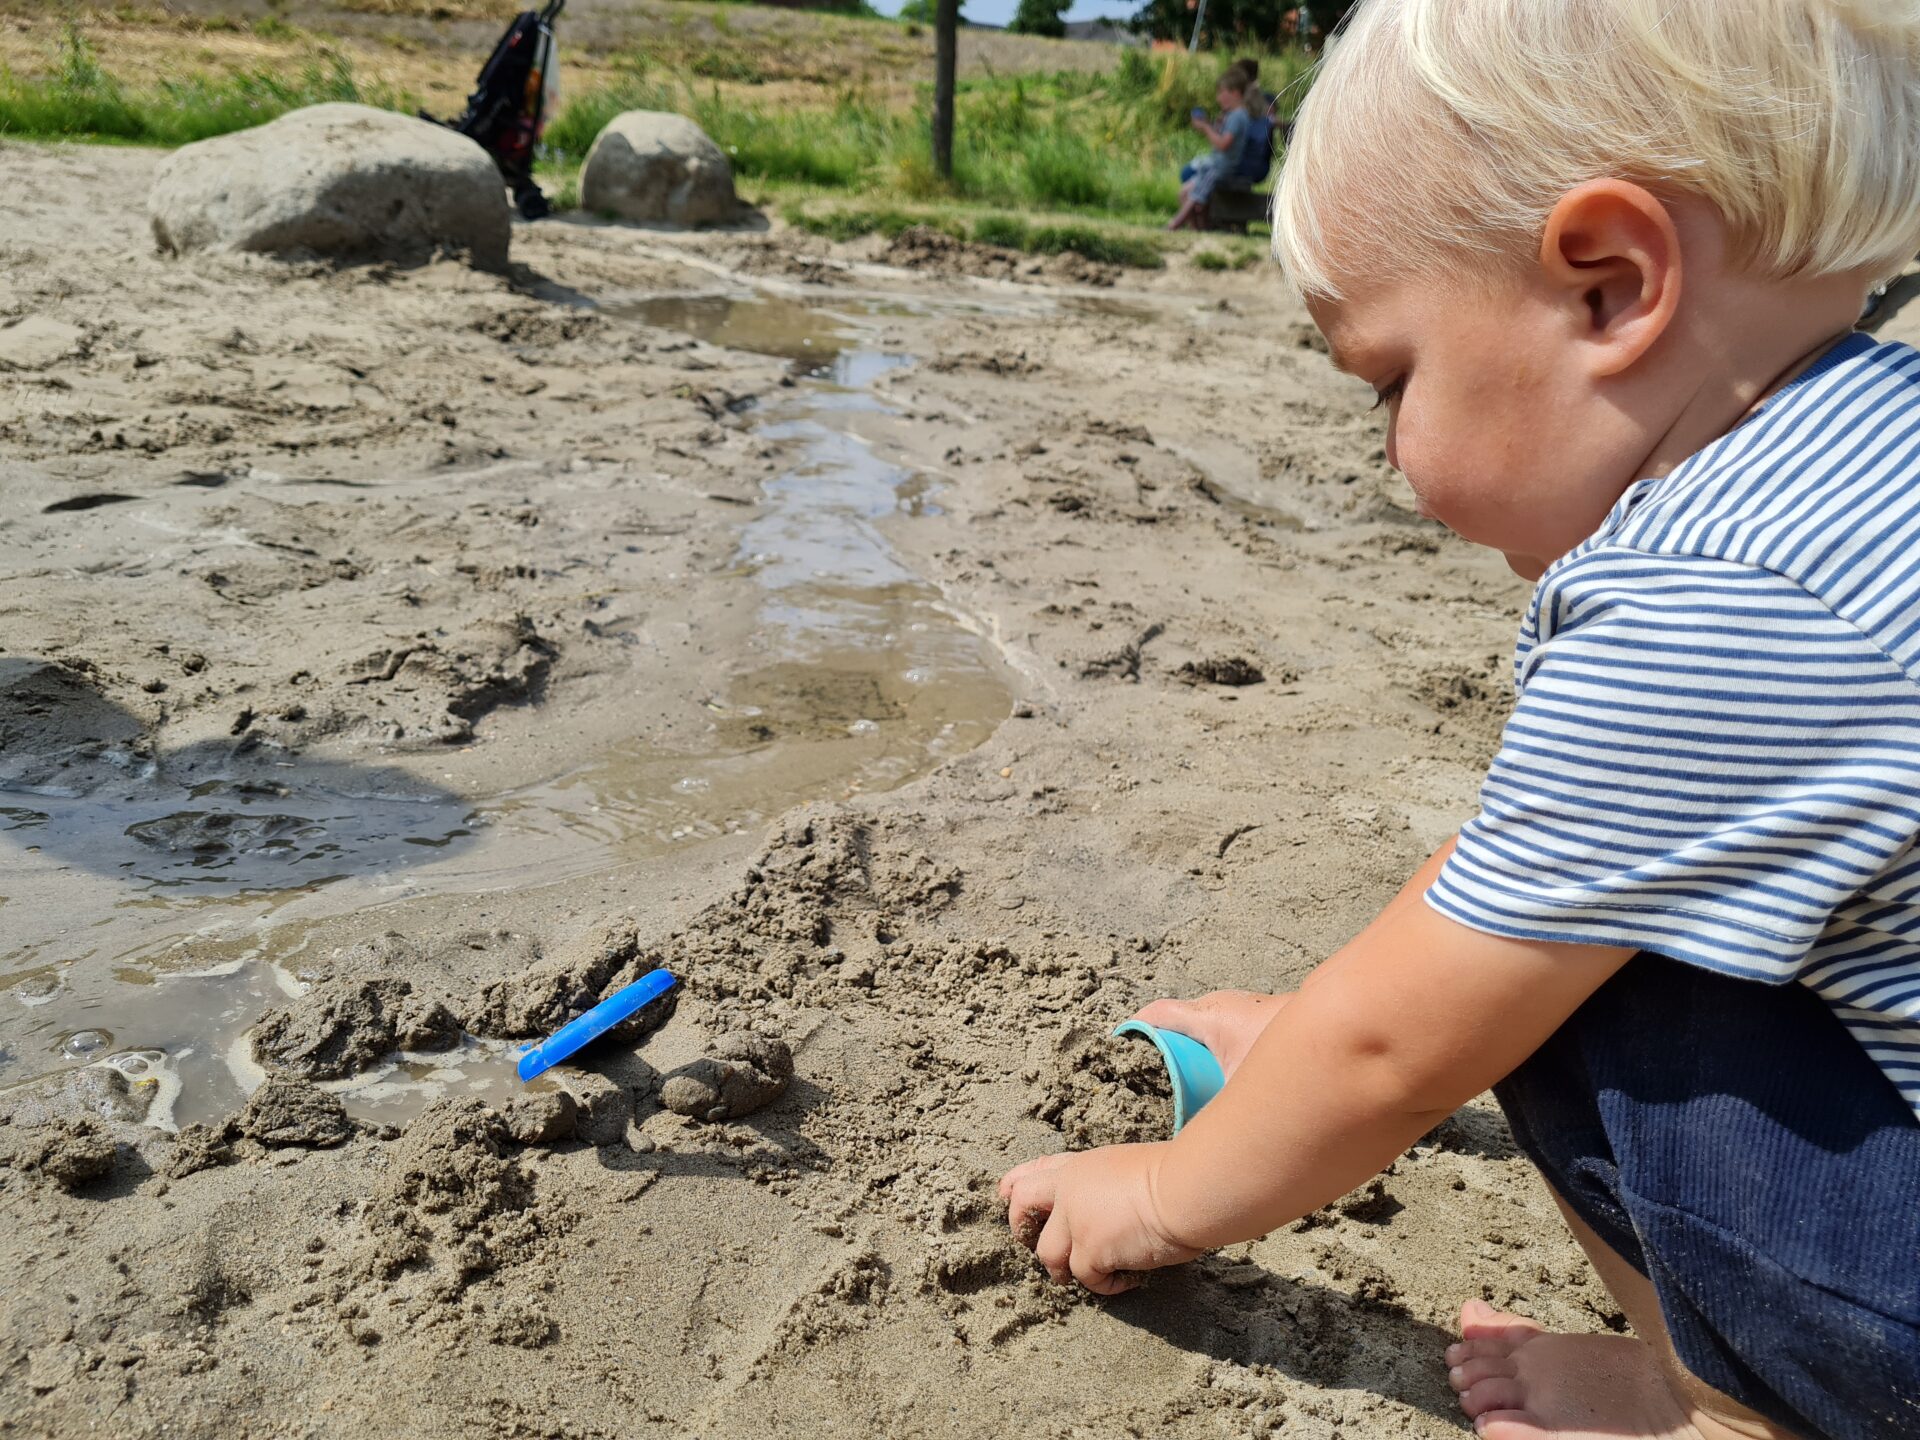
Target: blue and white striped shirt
{"type": "Point", "coordinates": [1714, 752]}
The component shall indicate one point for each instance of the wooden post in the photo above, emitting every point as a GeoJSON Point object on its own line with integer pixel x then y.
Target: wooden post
{"type": "Point", "coordinates": [946, 35]}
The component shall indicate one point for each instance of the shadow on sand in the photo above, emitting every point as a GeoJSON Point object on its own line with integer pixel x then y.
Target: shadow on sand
{"type": "Point", "coordinates": [81, 784]}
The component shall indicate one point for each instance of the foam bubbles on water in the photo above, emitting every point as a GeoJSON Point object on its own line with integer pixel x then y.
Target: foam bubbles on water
{"type": "Point", "coordinates": [85, 1044]}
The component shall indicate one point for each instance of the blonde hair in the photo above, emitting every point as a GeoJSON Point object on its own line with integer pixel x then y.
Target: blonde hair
{"type": "Point", "coordinates": [1799, 120]}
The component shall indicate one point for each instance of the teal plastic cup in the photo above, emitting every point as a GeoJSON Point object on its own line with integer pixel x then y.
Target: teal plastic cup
{"type": "Point", "coordinates": [1196, 1075]}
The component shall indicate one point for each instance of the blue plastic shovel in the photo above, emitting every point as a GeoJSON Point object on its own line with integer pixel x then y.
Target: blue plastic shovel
{"type": "Point", "coordinates": [595, 1023]}
{"type": "Point", "coordinates": [1197, 1076]}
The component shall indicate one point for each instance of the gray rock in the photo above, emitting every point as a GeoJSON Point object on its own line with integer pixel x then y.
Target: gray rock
{"type": "Point", "coordinates": [744, 1073]}
{"type": "Point", "coordinates": [339, 181]}
{"type": "Point", "coordinates": [650, 165]}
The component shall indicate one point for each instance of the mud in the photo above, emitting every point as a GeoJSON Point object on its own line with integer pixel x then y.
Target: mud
{"type": "Point", "coordinates": [1107, 1090]}
{"type": "Point", "coordinates": [70, 1153]}
{"type": "Point", "coordinates": [495, 637]}
{"type": "Point", "coordinates": [289, 1111]}
{"type": "Point", "coordinates": [340, 1028]}
{"type": "Point", "coordinates": [745, 1073]}
{"type": "Point", "coordinates": [1233, 670]}
{"type": "Point", "coordinates": [550, 992]}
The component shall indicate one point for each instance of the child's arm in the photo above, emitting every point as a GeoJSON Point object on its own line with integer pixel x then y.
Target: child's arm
{"type": "Point", "coordinates": [1227, 1022]}
{"type": "Point", "coordinates": [1388, 1037]}
{"type": "Point", "coordinates": [1217, 136]}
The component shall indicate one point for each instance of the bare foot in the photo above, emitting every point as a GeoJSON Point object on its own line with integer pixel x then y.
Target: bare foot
{"type": "Point", "coordinates": [1518, 1382]}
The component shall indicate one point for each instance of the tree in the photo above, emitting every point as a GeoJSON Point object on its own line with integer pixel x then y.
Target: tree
{"type": "Point", "coordinates": [1040, 17]}
{"type": "Point", "coordinates": [1234, 22]}
{"type": "Point", "coordinates": [921, 11]}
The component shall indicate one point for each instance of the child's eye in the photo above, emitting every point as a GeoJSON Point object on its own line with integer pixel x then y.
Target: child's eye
{"type": "Point", "coordinates": [1387, 393]}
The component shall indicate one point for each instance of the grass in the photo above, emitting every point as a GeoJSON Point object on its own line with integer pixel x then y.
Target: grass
{"type": "Point", "coordinates": [80, 100]}
{"type": "Point", "coordinates": [850, 224]}
{"type": "Point", "coordinates": [1101, 143]}
{"type": "Point", "coordinates": [1240, 258]}
{"type": "Point", "coordinates": [1009, 231]}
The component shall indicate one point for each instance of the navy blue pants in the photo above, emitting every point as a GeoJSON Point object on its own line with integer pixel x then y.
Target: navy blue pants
{"type": "Point", "coordinates": [1734, 1143]}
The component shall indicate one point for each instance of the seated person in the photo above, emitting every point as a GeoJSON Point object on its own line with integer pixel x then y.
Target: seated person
{"type": "Point", "coordinates": [1228, 140]}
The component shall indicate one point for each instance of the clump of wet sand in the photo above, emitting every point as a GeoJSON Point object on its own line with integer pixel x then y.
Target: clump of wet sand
{"type": "Point", "coordinates": [1102, 1089]}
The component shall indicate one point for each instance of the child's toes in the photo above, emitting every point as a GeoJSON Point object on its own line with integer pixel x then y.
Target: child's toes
{"type": "Point", "coordinates": [1485, 1348]}
{"type": "Point", "coordinates": [1464, 1377]}
{"type": "Point", "coordinates": [1507, 1425]}
{"type": "Point", "coordinates": [1502, 1392]}
{"type": "Point", "coordinates": [1480, 1321]}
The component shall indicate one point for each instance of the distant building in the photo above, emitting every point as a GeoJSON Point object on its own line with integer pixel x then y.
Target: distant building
{"type": "Point", "coordinates": [1103, 32]}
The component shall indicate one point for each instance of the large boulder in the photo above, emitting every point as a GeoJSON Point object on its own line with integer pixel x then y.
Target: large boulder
{"type": "Point", "coordinates": [649, 165]}
{"type": "Point", "coordinates": [340, 181]}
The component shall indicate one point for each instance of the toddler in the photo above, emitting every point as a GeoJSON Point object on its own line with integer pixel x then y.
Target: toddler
{"type": "Point", "coordinates": [1601, 259]}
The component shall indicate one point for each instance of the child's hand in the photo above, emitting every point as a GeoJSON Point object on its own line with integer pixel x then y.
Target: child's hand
{"type": "Point", "coordinates": [1091, 1216]}
{"type": "Point", "coordinates": [1227, 1022]}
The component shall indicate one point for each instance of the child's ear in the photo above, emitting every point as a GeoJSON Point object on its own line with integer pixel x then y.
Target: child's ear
{"type": "Point", "coordinates": [1613, 251]}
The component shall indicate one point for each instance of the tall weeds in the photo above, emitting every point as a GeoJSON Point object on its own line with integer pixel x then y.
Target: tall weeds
{"type": "Point", "coordinates": [80, 100]}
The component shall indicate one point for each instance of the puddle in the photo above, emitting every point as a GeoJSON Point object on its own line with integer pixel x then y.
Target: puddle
{"type": "Point", "coordinates": [156, 907]}
{"type": "Point", "coordinates": [819, 341]}
{"type": "Point", "coordinates": [827, 339]}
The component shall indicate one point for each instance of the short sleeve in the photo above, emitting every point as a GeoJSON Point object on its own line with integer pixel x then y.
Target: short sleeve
{"type": "Point", "coordinates": [1703, 761]}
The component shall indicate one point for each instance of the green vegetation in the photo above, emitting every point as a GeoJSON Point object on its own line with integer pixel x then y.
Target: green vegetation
{"type": "Point", "coordinates": [1231, 24]}
{"type": "Point", "coordinates": [1102, 245]}
{"type": "Point", "coordinates": [1009, 231]}
{"type": "Point", "coordinates": [80, 100]}
{"type": "Point", "coordinates": [1241, 258]}
{"type": "Point", "coordinates": [1104, 144]}
{"type": "Point", "coordinates": [1040, 17]}
{"type": "Point", "coordinates": [921, 12]}
{"type": "Point", "coordinates": [1108, 143]}
{"type": "Point", "coordinates": [851, 224]}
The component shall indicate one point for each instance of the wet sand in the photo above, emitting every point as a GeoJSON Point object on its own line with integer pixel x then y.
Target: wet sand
{"type": "Point", "coordinates": [929, 654]}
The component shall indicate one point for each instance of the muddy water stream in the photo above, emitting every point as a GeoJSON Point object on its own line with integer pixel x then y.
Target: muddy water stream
{"type": "Point", "coordinates": [148, 925]}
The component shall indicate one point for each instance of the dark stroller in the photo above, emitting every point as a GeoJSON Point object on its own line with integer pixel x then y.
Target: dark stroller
{"type": "Point", "coordinates": [508, 107]}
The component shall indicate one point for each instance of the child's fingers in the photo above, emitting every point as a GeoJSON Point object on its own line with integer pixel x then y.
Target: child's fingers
{"type": "Point", "coordinates": [1027, 1225]}
{"type": "Point", "coordinates": [1054, 1249]}
{"type": "Point", "coordinates": [1028, 1170]}
{"type": "Point", "coordinates": [1099, 1279]}
{"type": "Point", "coordinates": [1164, 1013]}
{"type": "Point", "coordinates": [1028, 1190]}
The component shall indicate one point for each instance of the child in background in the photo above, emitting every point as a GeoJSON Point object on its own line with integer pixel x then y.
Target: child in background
{"type": "Point", "coordinates": [1228, 140]}
{"type": "Point", "coordinates": [1601, 260]}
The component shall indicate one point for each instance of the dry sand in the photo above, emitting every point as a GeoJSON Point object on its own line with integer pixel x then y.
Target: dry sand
{"type": "Point", "coordinates": [450, 545]}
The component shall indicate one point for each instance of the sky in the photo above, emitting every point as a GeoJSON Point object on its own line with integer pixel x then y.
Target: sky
{"type": "Point", "coordinates": [999, 12]}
